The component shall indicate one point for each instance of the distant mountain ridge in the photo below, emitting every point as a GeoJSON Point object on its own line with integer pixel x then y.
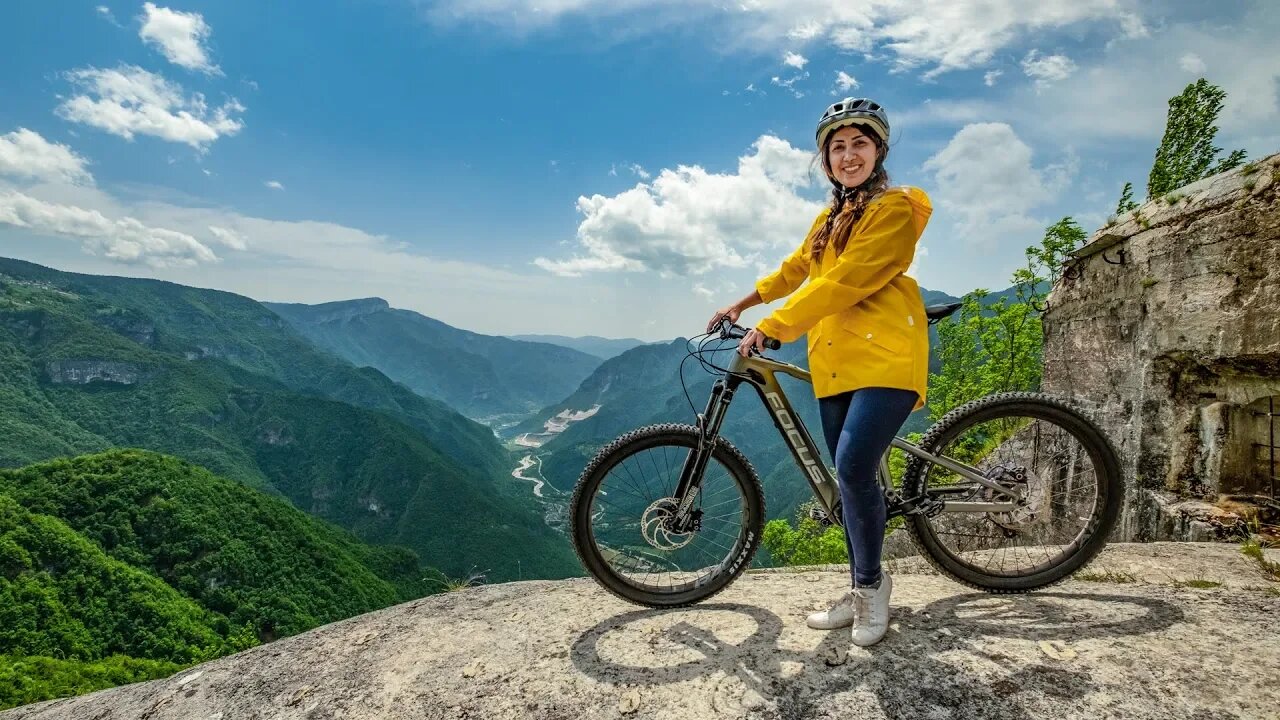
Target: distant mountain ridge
{"type": "Point", "coordinates": [601, 347]}
{"type": "Point", "coordinates": [485, 377]}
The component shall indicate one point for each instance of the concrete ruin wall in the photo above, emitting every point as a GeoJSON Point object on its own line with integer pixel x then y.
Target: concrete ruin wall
{"type": "Point", "coordinates": [1167, 330]}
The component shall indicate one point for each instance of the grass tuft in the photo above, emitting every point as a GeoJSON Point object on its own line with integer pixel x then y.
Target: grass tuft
{"type": "Point", "coordinates": [1198, 583]}
{"type": "Point", "coordinates": [1106, 576]}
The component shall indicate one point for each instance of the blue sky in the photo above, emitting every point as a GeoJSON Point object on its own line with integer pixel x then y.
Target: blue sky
{"type": "Point", "coordinates": [615, 168]}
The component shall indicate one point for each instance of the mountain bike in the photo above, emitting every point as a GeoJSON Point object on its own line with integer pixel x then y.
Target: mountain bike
{"type": "Point", "coordinates": [1008, 493]}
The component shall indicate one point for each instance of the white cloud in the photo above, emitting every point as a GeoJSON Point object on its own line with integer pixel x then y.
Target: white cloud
{"type": "Point", "coordinates": [228, 238]}
{"type": "Point", "coordinates": [845, 82]}
{"type": "Point", "coordinates": [26, 155]}
{"type": "Point", "coordinates": [129, 100]}
{"type": "Point", "coordinates": [691, 222]}
{"type": "Point", "coordinates": [805, 31]}
{"type": "Point", "coordinates": [986, 183]}
{"type": "Point", "coordinates": [274, 184]}
{"type": "Point", "coordinates": [921, 253]}
{"type": "Point", "coordinates": [940, 35]}
{"type": "Point", "coordinates": [105, 12]}
{"type": "Point", "coordinates": [989, 77]}
{"type": "Point", "coordinates": [123, 239]}
{"type": "Point", "coordinates": [635, 168]}
{"type": "Point", "coordinates": [1192, 63]}
{"type": "Point", "coordinates": [1133, 26]}
{"type": "Point", "coordinates": [795, 60]}
{"type": "Point", "coordinates": [789, 83]}
{"type": "Point", "coordinates": [717, 290]}
{"type": "Point", "coordinates": [180, 36]}
{"type": "Point", "coordinates": [946, 113]}
{"type": "Point", "coordinates": [1049, 69]}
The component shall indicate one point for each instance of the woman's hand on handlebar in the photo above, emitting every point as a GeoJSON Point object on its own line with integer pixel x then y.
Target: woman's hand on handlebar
{"type": "Point", "coordinates": [754, 339]}
{"type": "Point", "coordinates": [731, 312]}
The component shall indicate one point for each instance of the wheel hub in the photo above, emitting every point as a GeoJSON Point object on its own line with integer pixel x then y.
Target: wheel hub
{"type": "Point", "coordinates": [1032, 493]}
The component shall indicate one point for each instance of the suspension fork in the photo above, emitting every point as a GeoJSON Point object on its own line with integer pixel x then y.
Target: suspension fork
{"type": "Point", "coordinates": [695, 463]}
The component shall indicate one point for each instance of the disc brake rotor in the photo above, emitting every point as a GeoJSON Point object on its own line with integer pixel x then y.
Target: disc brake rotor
{"type": "Point", "coordinates": [654, 526]}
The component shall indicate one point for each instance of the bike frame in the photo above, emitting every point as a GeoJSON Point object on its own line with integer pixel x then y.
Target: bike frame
{"type": "Point", "coordinates": [761, 373]}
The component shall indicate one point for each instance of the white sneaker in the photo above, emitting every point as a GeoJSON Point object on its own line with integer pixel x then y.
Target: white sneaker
{"type": "Point", "coordinates": [871, 606]}
{"type": "Point", "coordinates": [842, 614]}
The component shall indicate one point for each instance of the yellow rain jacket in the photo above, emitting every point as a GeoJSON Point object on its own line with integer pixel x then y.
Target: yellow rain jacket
{"type": "Point", "coordinates": [863, 314]}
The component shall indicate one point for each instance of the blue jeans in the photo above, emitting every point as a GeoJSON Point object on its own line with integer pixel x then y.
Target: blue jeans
{"type": "Point", "coordinates": [858, 426]}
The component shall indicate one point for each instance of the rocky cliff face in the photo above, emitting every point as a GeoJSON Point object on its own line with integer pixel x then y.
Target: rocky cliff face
{"type": "Point", "coordinates": [1182, 636]}
{"type": "Point", "coordinates": [1167, 328]}
{"type": "Point", "coordinates": [82, 372]}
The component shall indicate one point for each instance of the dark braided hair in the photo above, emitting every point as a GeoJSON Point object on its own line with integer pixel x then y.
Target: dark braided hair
{"type": "Point", "coordinates": [848, 204]}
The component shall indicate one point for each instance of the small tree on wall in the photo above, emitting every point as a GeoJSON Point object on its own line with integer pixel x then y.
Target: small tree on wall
{"type": "Point", "coordinates": [1186, 151]}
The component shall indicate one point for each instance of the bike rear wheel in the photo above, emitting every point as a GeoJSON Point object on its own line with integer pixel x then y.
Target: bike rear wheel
{"type": "Point", "coordinates": [1062, 465]}
{"type": "Point", "coordinates": [624, 497]}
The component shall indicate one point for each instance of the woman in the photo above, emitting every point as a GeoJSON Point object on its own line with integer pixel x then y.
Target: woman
{"type": "Point", "coordinates": [868, 336]}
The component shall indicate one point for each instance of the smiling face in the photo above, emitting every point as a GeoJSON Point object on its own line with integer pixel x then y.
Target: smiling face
{"type": "Point", "coordinates": [851, 156]}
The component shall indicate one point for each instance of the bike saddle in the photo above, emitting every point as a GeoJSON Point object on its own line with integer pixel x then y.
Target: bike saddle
{"type": "Point", "coordinates": [938, 312]}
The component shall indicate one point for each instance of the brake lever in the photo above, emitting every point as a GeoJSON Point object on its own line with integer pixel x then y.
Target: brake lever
{"type": "Point", "coordinates": [726, 327]}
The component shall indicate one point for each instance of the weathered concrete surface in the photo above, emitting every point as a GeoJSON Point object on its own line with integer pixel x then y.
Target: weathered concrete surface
{"type": "Point", "coordinates": [1167, 330]}
{"type": "Point", "coordinates": [1142, 649]}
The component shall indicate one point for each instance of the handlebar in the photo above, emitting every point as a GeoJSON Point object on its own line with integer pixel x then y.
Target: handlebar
{"type": "Point", "coordinates": [733, 331]}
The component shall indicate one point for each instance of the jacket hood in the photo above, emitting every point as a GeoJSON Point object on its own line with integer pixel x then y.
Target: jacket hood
{"type": "Point", "coordinates": [921, 207]}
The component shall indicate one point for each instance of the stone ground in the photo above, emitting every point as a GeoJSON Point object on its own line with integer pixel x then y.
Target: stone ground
{"type": "Point", "coordinates": [1134, 641]}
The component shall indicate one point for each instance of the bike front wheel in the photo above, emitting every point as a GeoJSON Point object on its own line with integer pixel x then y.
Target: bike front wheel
{"type": "Point", "coordinates": [1065, 475]}
{"type": "Point", "coordinates": [620, 515]}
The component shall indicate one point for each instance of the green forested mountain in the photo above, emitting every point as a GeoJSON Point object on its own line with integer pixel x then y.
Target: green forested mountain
{"type": "Point", "coordinates": [603, 348]}
{"type": "Point", "coordinates": [936, 297]}
{"type": "Point", "coordinates": [483, 376]}
{"type": "Point", "coordinates": [132, 562]}
{"type": "Point", "coordinates": [94, 362]}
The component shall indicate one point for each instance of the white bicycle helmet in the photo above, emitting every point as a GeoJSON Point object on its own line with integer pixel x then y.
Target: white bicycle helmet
{"type": "Point", "coordinates": [853, 111]}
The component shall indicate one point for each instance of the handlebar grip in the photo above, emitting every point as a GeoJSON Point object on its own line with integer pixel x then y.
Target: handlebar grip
{"type": "Point", "coordinates": [772, 343]}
